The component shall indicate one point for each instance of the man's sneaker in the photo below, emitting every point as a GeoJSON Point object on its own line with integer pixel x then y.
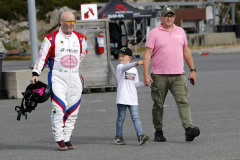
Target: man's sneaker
{"type": "Point", "coordinates": [62, 146]}
{"type": "Point", "coordinates": [143, 139]}
{"type": "Point", "coordinates": [69, 145]}
{"type": "Point", "coordinates": [191, 133]}
{"type": "Point", "coordinates": [119, 140]}
{"type": "Point", "coordinates": [159, 136]}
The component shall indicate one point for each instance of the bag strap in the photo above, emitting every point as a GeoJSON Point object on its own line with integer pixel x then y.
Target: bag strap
{"type": "Point", "coordinates": [21, 111]}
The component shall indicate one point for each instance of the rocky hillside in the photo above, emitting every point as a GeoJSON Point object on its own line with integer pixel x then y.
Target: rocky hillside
{"type": "Point", "coordinates": [16, 35]}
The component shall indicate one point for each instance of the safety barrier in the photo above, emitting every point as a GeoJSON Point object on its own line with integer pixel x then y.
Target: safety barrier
{"type": "Point", "coordinates": [212, 39]}
{"type": "Point", "coordinates": [229, 28]}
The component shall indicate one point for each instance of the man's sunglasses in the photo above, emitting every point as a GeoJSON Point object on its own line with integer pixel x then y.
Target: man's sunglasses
{"type": "Point", "coordinates": [70, 22]}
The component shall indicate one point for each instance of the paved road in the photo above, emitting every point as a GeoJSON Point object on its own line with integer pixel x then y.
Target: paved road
{"type": "Point", "coordinates": [215, 109]}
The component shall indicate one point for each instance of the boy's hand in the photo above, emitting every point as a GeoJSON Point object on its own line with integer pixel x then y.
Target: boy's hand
{"type": "Point", "coordinates": [139, 63]}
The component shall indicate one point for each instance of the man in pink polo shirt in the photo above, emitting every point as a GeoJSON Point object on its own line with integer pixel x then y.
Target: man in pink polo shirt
{"type": "Point", "coordinates": [168, 48]}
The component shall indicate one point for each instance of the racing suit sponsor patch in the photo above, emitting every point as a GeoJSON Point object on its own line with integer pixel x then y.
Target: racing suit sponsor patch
{"type": "Point", "coordinates": [54, 110]}
{"type": "Point", "coordinates": [39, 54]}
{"type": "Point", "coordinates": [69, 61]}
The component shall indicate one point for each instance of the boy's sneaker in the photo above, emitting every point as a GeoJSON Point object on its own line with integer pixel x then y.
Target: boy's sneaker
{"type": "Point", "coordinates": [159, 136]}
{"type": "Point", "coordinates": [69, 145]}
{"type": "Point", "coordinates": [191, 133]}
{"type": "Point", "coordinates": [119, 140]}
{"type": "Point", "coordinates": [61, 146]}
{"type": "Point", "coordinates": [143, 139]}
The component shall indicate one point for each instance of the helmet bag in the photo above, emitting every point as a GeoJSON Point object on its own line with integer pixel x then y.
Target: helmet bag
{"type": "Point", "coordinates": [34, 94]}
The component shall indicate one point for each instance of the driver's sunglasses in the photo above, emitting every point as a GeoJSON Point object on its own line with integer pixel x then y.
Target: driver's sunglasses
{"type": "Point", "coordinates": [70, 22]}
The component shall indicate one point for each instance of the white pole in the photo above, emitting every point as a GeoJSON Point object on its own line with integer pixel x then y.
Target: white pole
{"type": "Point", "coordinates": [33, 31]}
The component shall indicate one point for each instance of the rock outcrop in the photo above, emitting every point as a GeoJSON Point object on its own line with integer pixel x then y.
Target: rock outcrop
{"type": "Point", "coordinates": [16, 35]}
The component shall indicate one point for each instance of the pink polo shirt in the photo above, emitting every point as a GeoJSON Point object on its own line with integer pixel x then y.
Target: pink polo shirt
{"type": "Point", "coordinates": [167, 48]}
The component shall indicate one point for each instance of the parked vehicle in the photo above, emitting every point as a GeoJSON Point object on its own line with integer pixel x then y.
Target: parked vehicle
{"type": "Point", "coordinates": [118, 37]}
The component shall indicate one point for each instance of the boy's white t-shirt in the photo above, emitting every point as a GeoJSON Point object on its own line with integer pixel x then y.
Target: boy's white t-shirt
{"type": "Point", "coordinates": [126, 91]}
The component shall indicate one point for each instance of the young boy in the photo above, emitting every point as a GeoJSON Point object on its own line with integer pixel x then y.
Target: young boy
{"type": "Point", "coordinates": [128, 80]}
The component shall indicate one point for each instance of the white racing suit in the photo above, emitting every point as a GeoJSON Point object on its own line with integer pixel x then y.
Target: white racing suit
{"type": "Point", "coordinates": [63, 53]}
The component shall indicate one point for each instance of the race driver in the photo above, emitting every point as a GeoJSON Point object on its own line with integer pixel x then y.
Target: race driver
{"type": "Point", "coordinates": [63, 50]}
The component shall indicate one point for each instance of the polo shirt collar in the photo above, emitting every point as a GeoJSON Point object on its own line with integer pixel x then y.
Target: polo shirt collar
{"type": "Point", "coordinates": [160, 27]}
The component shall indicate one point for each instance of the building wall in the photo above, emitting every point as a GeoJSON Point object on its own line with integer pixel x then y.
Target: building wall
{"type": "Point", "coordinates": [189, 14]}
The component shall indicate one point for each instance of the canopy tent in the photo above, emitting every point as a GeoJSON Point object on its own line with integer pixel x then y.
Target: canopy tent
{"type": "Point", "coordinates": [117, 10]}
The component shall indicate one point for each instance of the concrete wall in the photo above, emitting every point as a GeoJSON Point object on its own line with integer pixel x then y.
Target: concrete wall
{"type": "Point", "coordinates": [212, 39]}
{"type": "Point", "coordinates": [16, 81]}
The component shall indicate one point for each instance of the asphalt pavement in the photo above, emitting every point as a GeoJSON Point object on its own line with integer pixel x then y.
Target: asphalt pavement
{"type": "Point", "coordinates": [215, 109]}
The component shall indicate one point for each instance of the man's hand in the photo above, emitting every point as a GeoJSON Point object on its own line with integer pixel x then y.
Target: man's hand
{"type": "Point", "coordinates": [147, 80]}
{"type": "Point", "coordinates": [147, 58]}
{"type": "Point", "coordinates": [34, 79]}
{"type": "Point", "coordinates": [193, 76]}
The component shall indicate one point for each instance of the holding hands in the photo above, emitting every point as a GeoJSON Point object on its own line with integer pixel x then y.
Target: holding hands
{"type": "Point", "coordinates": [147, 80]}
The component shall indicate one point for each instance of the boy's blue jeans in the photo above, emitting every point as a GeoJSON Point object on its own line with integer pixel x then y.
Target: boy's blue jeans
{"type": "Point", "coordinates": [134, 115]}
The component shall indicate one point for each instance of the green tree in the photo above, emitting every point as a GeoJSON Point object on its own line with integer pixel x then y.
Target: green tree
{"type": "Point", "coordinates": [13, 9]}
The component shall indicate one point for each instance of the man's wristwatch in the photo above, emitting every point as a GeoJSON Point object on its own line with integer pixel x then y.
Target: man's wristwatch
{"type": "Point", "coordinates": [194, 69]}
